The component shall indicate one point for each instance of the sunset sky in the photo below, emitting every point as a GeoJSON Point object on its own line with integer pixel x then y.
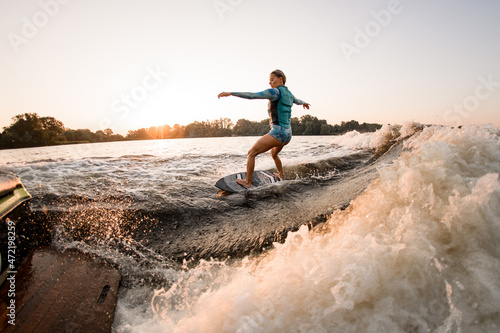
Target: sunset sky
{"type": "Point", "coordinates": [125, 64]}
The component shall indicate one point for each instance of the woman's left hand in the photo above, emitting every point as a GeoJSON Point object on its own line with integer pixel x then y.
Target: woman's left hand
{"type": "Point", "coordinates": [306, 105]}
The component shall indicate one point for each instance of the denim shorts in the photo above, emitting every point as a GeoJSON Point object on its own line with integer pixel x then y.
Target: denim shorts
{"type": "Point", "coordinates": [284, 135]}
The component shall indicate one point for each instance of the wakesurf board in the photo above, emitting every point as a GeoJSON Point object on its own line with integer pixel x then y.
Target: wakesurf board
{"type": "Point", "coordinates": [259, 178]}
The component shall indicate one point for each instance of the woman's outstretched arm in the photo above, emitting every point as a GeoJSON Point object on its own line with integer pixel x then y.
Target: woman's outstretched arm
{"type": "Point", "coordinates": [270, 94]}
{"type": "Point", "coordinates": [301, 102]}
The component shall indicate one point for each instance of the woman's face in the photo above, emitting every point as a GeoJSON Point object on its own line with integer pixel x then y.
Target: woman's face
{"type": "Point", "coordinates": [275, 81]}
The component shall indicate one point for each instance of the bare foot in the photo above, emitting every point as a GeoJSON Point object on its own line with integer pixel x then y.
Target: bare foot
{"type": "Point", "coordinates": [280, 177]}
{"type": "Point", "coordinates": [243, 183]}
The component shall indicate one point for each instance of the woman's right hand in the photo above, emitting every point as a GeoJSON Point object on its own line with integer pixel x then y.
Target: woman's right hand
{"type": "Point", "coordinates": [224, 94]}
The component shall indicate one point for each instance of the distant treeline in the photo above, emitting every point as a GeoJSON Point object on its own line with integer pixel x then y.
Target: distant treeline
{"type": "Point", "coordinates": [30, 130]}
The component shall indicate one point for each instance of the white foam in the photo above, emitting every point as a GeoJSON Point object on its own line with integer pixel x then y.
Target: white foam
{"type": "Point", "coordinates": [418, 251]}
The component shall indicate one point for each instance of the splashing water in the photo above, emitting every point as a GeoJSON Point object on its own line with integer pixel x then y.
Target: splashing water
{"type": "Point", "coordinates": [418, 251]}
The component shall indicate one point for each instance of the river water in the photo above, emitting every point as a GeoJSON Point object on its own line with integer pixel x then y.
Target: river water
{"type": "Point", "coordinates": [416, 250]}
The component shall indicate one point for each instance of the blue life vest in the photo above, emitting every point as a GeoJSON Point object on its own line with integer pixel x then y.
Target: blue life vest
{"type": "Point", "coordinates": [280, 111]}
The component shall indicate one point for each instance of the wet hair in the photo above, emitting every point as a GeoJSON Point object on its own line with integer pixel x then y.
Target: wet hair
{"type": "Point", "coordinates": [279, 73]}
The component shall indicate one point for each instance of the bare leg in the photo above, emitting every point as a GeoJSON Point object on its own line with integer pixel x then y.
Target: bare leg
{"type": "Point", "coordinates": [262, 145]}
{"type": "Point", "coordinates": [277, 161]}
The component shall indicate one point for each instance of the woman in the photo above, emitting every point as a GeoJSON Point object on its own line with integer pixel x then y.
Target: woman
{"type": "Point", "coordinates": [280, 112]}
